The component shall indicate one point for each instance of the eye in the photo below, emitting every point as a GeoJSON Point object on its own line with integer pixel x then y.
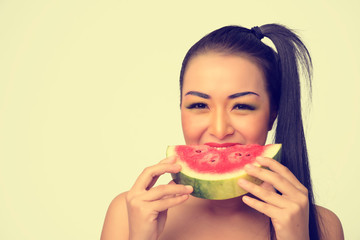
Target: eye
{"type": "Point", "coordinates": [197, 106]}
{"type": "Point", "coordinates": [243, 107]}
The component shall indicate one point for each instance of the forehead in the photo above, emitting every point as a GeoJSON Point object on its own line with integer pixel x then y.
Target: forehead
{"type": "Point", "coordinates": [216, 72]}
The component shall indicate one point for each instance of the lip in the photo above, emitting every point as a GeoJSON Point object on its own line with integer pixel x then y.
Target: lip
{"type": "Point", "coordinates": [221, 145]}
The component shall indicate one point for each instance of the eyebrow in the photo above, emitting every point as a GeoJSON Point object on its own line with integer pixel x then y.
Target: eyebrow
{"type": "Point", "coordinates": [199, 94]}
{"type": "Point", "coordinates": [240, 94]}
{"type": "Point", "coordinates": [232, 96]}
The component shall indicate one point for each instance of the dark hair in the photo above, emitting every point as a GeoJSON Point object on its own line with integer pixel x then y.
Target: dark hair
{"type": "Point", "coordinates": [281, 68]}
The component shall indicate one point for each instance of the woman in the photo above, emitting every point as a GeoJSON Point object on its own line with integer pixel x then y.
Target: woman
{"type": "Point", "coordinates": [233, 88]}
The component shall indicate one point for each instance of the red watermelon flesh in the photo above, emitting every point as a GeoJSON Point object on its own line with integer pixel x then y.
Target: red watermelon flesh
{"type": "Point", "coordinates": [206, 159]}
{"type": "Point", "coordinates": [214, 171]}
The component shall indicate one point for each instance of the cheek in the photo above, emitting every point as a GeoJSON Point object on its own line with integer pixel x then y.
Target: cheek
{"type": "Point", "coordinates": [253, 129]}
{"type": "Point", "coordinates": [192, 127]}
{"type": "Point", "coordinates": [258, 135]}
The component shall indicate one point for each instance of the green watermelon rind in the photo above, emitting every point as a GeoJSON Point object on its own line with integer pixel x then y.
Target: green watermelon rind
{"type": "Point", "coordinates": [219, 189]}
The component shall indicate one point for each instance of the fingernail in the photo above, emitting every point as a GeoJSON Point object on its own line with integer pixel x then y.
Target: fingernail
{"type": "Point", "coordinates": [188, 187]}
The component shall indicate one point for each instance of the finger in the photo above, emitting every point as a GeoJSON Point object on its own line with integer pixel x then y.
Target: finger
{"type": "Point", "coordinates": [260, 206]}
{"type": "Point", "coordinates": [268, 186]}
{"type": "Point", "coordinates": [170, 159]}
{"type": "Point", "coordinates": [150, 174]}
{"type": "Point", "coordinates": [173, 195]}
{"type": "Point", "coordinates": [153, 181]}
{"type": "Point", "coordinates": [282, 170]}
{"type": "Point", "coordinates": [163, 191]}
{"type": "Point", "coordinates": [274, 178]}
{"type": "Point", "coordinates": [266, 195]}
{"type": "Point", "coordinates": [167, 203]}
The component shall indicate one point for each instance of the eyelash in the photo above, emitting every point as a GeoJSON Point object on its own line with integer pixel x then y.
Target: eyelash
{"type": "Point", "coordinates": [236, 106]}
{"type": "Point", "coordinates": [243, 107]}
{"type": "Point", "coordinates": [197, 106]}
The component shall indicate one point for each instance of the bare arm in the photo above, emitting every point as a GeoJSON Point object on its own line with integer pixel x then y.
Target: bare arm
{"type": "Point", "coordinates": [330, 225]}
{"type": "Point", "coordinates": [116, 224]}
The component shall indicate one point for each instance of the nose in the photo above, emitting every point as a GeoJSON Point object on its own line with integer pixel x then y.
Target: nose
{"type": "Point", "coordinates": [220, 125]}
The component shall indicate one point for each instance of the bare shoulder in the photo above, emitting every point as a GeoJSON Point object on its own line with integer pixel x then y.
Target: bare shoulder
{"type": "Point", "coordinates": [330, 224]}
{"type": "Point", "coordinates": [116, 221]}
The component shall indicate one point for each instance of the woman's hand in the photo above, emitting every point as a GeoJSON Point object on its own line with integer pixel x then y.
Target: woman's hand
{"type": "Point", "coordinates": [289, 212]}
{"type": "Point", "coordinates": [147, 205]}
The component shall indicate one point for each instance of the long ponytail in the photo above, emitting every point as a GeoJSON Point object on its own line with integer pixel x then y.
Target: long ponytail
{"type": "Point", "coordinates": [293, 59]}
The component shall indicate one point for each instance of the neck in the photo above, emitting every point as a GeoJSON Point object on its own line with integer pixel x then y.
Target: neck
{"type": "Point", "coordinates": [226, 207]}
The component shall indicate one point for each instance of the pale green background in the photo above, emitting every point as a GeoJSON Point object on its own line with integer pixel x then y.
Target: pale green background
{"type": "Point", "coordinates": [89, 97]}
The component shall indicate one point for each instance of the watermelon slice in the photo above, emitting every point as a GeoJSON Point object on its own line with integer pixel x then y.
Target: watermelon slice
{"type": "Point", "coordinates": [213, 172]}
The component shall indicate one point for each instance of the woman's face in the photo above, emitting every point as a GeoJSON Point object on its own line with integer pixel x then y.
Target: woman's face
{"type": "Point", "coordinates": [224, 100]}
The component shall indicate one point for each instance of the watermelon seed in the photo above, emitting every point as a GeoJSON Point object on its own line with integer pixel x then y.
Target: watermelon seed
{"type": "Point", "coordinates": [238, 154]}
{"type": "Point", "coordinates": [248, 155]}
{"type": "Point", "coordinates": [198, 151]}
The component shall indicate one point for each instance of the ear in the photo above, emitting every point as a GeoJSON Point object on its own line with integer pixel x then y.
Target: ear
{"type": "Point", "coordinates": [272, 119]}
